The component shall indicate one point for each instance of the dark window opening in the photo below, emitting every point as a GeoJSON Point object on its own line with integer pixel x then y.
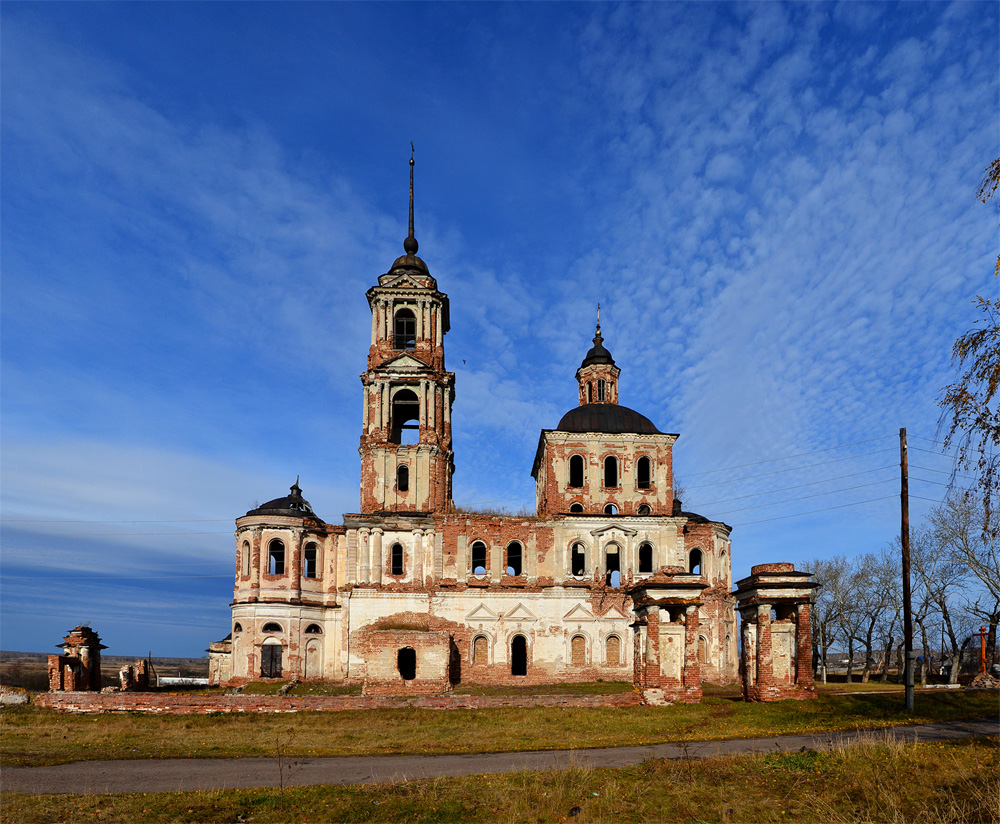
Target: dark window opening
{"type": "Point", "coordinates": [694, 562]}
{"type": "Point", "coordinates": [645, 558]}
{"type": "Point", "coordinates": [271, 626]}
{"type": "Point", "coordinates": [519, 655]}
{"type": "Point", "coordinates": [514, 555]}
{"type": "Point", "coordinates": [396, 559]}
{"type": "Point", "coordinates": [578, 559]}
{"type": "Point", "coordinates": [611, 471]}
{"type": "Point", "coordinates": [590, 392]}
{"type": "Point", "coordinates": [403, 479]}
{"type": "Point", "coordinates": [311, 553]}
{"type": "Point", "coordinates": [576, 507]}
{"type": "Point", "coordinates": [576, 471]}
{"type": "Point", "coordinates": [600, 390]}
{"type": "Point", "coordinates": [404, 330]}
{"type": "Point", "coordinates": [611, 509]}
{"type": "Point", "coordinates": [612, 567]}
{"type": "Point", "coordinates": [246, 557]}
{"type": "Point", "coordinates": [642, 473]}
{"type": "Point", "coordinates": [313, 629]}
{"type": "Point", "coordinates": [479, 558]}
{"type": "Point", "coordinates": [270, 661]}
{"type": "Point", "coordinates": [644, 510]}
{"type": "Point", "coordinates": [237, 627]}
{"type": "Point", "coordinates": [406, 662]}
{"type": "Point", "coordinates": [275, 558]}
{"type": "Point", "coordinates": [405, 424]}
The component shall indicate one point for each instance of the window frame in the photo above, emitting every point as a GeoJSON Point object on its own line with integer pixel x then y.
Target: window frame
{"type": "Point", "coordinates": [400, 338]}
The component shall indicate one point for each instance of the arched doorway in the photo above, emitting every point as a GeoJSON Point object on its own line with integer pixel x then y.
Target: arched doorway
{"type": "Point", "coordinates": [270, 659]}
{"type": "Point", "coordinates": [314, 659]}
{"type": "Point", "coordinates": [406, 662]}
{"type": "Point", "coordinates": [519, 655]}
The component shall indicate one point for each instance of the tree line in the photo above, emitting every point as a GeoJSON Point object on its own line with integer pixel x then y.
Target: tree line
{"type": "Point", "coordinates": [955, 578]}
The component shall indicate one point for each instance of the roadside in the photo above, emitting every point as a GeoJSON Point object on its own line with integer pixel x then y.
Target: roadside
{"type": "Point", "coordinates": [174, 775]}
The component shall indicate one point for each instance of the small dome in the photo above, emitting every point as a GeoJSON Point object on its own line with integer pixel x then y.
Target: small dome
{"type": "Point", "coordinates": [292, 505]}
{"type": "Point", "coordinates": [597, 353]}
{"type": "Point", "coordinates": [409, 263]}
{"type": "Point", "coordinates": [610, 418]}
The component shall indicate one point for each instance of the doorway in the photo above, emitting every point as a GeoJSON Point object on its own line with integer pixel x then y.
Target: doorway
{"type": "Point", "coordinates": [270, 661]}
{"type": "Point", "coordinates": [519, 655]}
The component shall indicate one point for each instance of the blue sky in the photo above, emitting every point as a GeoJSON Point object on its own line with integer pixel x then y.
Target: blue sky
{"type": "Point", "coordinates": [774, 205]}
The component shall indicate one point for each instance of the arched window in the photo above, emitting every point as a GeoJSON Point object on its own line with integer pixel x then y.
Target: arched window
{"type": "Point", "coordinates": [246, 557]}
{"type": "Point", "coordinates": [578, 559]}
{"type": "Point", "coordinates": [311, 558]}
{"type": "Point", "coordinates": [406, 663]}
{"type": "Point", "coordinates": [610, 509]}
{"type": "Point", "coordinates": [600, 390]}
{"type": "Point", "coordinates": [613, 651]}
{"type": "Point", "coordinates": [612, 565]}
{"type": "Point", "coordinates": [403, 478]}
{"type": "Point", "coordinates": [396, 559]}
{"type": "Point", "coordinates": [576, 507]}
{"type": "Point", "coordinates": [519, 655]}
{"type": "Point", "coordinates": [576, 471]}
{"type": "Point", "coordinates": [480, 651]}
{"type": "Point", "coordinates": [694, 562]}
{"type": "Point", "coordinates": [404, 330]}
{"type": "Point", "coordinates": [610, 471]}
{"type": "Point", "coordinates": [237, 627]}
{"type": "Point", "coordinates": [479, 558]}
{"type": "Point", "coordinates": [514, 558]}
{"type": "Point", "coordinates": [643, 473]}
{"type": "Point", "coordinates": [702, 650]}
{"type": "Point", "coordinates": [645, 558]}
{"type": "Point", "coordinates": [590, 392]}
{"type": "Point", "coordinates": [271, 626]}
{"type": "Point", "coordinates": [578, 651]}
{"type": "Point", "coordinates": [405, 423]}
{"type": "Point", "coordinates": [314, 629]}
{"type": "Point", "coordinates": [643, 510]}
{"type": "Point", "coordinates": [275, 558]}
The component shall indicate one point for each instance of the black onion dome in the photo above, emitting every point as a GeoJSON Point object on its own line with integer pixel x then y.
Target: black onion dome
{"type": "Point", "coordinates": [610, 418]}
{"type": "Point", "coordinates": [597, 353]}
{"type": "Point", "coordinates": [292, 505]}
{"type": "Point", "coordinates": [409, 263]}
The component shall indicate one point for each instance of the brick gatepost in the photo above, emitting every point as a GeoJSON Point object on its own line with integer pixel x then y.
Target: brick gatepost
{"type": "Point", "coordinates": [79, 668]}
{"type": "Point", "coordinates": [776, 653]}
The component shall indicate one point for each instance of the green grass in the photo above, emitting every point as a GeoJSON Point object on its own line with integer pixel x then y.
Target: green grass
{"type": "Point", "coordinates": [30, 736]}
{"type": "Point", "coordinates": [581, 688]}
{"type": "Point", "coordinates": [872, 780]}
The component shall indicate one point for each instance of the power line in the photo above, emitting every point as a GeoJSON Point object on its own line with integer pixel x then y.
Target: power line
{"type": "Point", "coordinates": [81, 521]}
{"type": "Point", "coordinates": [807, 497]}
{"type": "Point", "coordinates": [793, 469]}
{"type": "Point", "coordinates": [814, 511]}
{"type": "Point", "coordinates": [796, 486]}
{"type": "Point", "coordinates": [126, 534]}
{"type": "Point", "coordinates": [789, 457]}
{"type": "Point", "coordinates": [83, 577]}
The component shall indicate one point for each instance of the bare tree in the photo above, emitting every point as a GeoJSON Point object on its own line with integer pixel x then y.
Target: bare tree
{"type": "Point", "coordinates": [830, 576]}
{"type": "Point", "coordinates": [971, 405]}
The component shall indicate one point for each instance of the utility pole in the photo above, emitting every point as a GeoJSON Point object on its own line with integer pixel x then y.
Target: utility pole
{"type": "Point", "coordinates": [904, 500]}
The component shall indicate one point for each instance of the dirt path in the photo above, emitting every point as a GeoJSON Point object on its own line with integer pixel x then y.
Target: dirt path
{"type": "Point", "coordinates": [176, 774]}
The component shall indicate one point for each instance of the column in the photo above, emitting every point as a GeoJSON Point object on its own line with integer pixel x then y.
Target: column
{"type": "Point", "coordinates": [803, 647]}
{"type": "Point", "coordinates": [376, 569]}
{"type": "Point", "coordinates": [765, 671]}
{"type": "Point", "coordinates": [255, 565]}
{"type": "Point", "coordinates": [364, 562]}
{"type": "Point", "coordinates": [418, 557]}
{"type": "Point", "coordinates": [295, 566]}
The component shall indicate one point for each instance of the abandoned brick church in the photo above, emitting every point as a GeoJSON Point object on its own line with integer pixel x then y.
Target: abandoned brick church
{"type": "Point", "coordinates": [610, 580]}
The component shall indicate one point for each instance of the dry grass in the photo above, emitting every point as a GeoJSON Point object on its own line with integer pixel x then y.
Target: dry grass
{"type": "Point", "coordinates": [874, 780]}
{"type": "Point", "coordinates": [30, 736]}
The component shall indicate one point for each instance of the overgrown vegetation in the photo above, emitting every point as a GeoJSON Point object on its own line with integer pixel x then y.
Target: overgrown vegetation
{"type": "Point", "coordinates": [30, 736]}
{"type": "Point", "coordinates": [871, 780]}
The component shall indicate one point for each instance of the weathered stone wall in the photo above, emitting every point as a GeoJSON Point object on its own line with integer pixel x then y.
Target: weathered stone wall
{"type": "Point", "coordinates": [185, 704]}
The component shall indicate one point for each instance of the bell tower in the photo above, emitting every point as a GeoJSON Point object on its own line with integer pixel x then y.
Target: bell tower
{"type": "Point", "coordinates": [406, 455]}
{"type": "Point", "coordinates": [598, 375]}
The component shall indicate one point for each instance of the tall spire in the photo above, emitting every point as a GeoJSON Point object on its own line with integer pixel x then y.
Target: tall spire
{"type": "Point", "coordinates": [410, 245]}
{"type": "Point", "coordinates": [598, 318]}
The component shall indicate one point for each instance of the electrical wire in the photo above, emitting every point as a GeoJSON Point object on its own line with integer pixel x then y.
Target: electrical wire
{"type": "Point", "coordinates": [796, 486]}
{"type": "Point", "coordinates": [789, 457]}
{"type": "Point", "coordinates": [793, 469]}
{"type": "Point", "coordinates": [807, 497]}
{"type": "Point", "coordinates": [814, 511]}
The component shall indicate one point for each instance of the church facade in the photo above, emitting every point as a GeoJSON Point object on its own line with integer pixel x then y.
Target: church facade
{"type": "Point", "coordinates": [609, 579]}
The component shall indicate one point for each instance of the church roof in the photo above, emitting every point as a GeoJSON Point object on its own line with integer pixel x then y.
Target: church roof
{"type": "Point", "coordinates": [597, 353]}
{"type": "Point", "coordinates": [292, 505]}
{"type": "Point", "coordinates": [610, 418]}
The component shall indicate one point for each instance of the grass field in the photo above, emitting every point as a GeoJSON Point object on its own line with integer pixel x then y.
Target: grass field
{"type": "Point", "coordinates": [872, 780]}
{"type": "Point", "coordinates": [31, 737]}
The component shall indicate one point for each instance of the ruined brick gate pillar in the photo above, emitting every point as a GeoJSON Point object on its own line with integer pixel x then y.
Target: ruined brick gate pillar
{"type": "Point", "coordinates": [776, 649]}
{"type": "Point", "coordinates": [79, 668]}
